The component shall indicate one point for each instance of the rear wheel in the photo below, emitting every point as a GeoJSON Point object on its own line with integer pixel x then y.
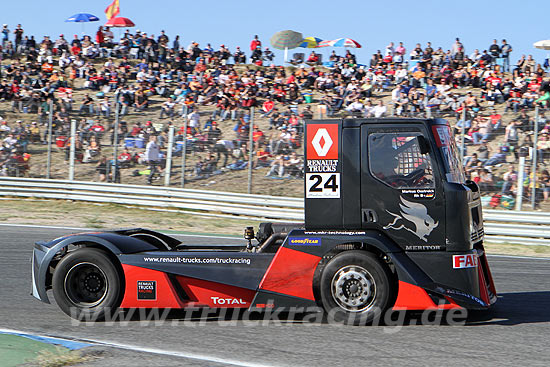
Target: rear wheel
{"type": "Point", "coordinates": [355, 287]}
{"type": "Point", "coordinates": [87, 285]}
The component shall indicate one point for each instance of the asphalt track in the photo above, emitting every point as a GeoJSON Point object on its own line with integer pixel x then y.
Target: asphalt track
{"type": "Point", "coordinates": [514, 333]}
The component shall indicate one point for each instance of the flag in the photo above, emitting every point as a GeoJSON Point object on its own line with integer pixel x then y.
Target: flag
{"type": "Point", "coordinates": [112, 10]}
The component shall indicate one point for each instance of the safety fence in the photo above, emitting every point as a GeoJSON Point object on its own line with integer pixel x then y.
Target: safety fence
{"type": "Point", "coordinates": [521, 227]}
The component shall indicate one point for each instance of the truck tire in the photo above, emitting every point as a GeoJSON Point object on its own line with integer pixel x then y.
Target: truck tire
{"type": "Point", "coordinates": [87, 285]}
{"type": "Point", "coordinates": [355, 288]}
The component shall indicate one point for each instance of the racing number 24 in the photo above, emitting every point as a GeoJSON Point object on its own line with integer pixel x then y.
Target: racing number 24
{"type": "Point", "coordinates": [323, 185]}
{"type": "Point", "coordinates": [329, 184]}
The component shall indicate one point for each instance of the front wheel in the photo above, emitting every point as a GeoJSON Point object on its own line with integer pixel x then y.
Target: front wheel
{"type": "Point", "coordinates": [355, 288]}
{"type": "Point", "coordinates": [87, 285]}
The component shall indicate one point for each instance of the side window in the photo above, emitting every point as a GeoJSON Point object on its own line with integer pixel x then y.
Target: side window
{"type": "Point", "coordinates": [396, 160]}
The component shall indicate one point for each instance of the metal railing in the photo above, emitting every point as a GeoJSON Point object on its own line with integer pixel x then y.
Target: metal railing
{"type": "Point", "coordinates": [527, 228]}
{"type": "Point", "coordinates": [261, 206]}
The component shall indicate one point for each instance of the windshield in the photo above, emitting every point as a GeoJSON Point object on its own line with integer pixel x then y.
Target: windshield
{"type": "Point", "coordinates": [446, 143]}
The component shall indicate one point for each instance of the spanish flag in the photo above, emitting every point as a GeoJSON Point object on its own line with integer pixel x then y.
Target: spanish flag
{"type": "Point", "coordinates": [112, 10]}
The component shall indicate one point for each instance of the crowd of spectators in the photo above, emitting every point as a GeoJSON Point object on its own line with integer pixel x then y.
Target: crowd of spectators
{"type": "Point", "coordinates": [214, 88]}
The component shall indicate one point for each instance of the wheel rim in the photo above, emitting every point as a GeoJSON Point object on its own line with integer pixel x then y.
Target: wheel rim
{"type": "Point", "coordinates": [353, 288]}
{"type": "Point", "coordinates": [86, 285]}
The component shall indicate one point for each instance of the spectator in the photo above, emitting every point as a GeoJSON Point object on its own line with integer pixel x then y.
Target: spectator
{"type": "Point", "coordinates": [379, 110]}
{"type": "Point", "coordinates": [255, 43]}
{"type": "Point", "coordinates": [194, 120]}
{"type": "Point", "coordinates": [93, 150]}
{"type": "Point", "coordinates": [511, 137]}
{"type": "Point", "coordinates": [141, 101]}
{"type": "Point", "coordinates": [528, 66]}
{"type": "Point", "coordinates": [293, 166]}
{"type": "Point", "coordinates": [277, 166]}
{"type": "Point", "coordinates": [457, 47]}
{"type": "Point", "coordinates": [497, 158]}
{"type": "Point", "coordinates": [510, 178]}
{"type": "Point", "coordinates": [101, 169]}
{"type": "Point", "coordinates": [486, 182]}
{"type": "Point", "coordinates": [543, 146]}
{"type": "Point", "coordinates": [494, 51]}
{"type": "Point", "coordinates": [18, 31]}
{"type": "Point", "coordinates": [545, 183]}
{"type": "Point", "coordinates": [152, 155]}
{"type": "Point", "coordinates": [483, 132]}
{"type": "Point", "coordinates": [104, 107]}
{"type": "Point", "coordinates": [5, 35]}
{"type": "Point", "coordinates": [402, 104]}
{"type": "Point", "coordinates": [239, 57]}
{"type": "Point", "coordinates": [312, 59]}
{"type": "Point", "coordinates": [167, 108]}
{"type": "Point", "coordinates": [268, 55]}
{"type": "Point", "coordinates": [506, 50]}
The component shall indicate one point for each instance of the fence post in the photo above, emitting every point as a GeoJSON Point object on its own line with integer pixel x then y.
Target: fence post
{"type": "Point", "coordinates": [115, 140]}
{"type": "Point", "coordinates": [533, 178]}
{"type": "Point", "coordinates": [250, 149]}
{"type": "Point", "coordinates": [50, 123]}
{"type": "Point", "coordinates": [462, 135]}
{"type": "Point", "coordinates": [72, 150]}
{"type": "Point", "coordinates": [521, 178]}
{"type": "Point", "coordinates": [184, 146]}
{"type": "Point", "coordinates": [168, 169]}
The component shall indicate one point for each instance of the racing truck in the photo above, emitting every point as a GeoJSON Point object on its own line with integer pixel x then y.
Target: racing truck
{"type": "Point", "coordinates": [391, 223]}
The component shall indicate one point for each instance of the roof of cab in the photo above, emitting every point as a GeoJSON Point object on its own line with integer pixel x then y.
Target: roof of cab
{"type": "Point", "coordinates": [356, 122]}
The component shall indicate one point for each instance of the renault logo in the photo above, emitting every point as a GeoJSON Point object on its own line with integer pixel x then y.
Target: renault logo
{"type": "Point", "coordinates": [322, 134]}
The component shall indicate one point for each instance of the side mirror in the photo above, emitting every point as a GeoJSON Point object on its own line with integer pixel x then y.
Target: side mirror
{"type": "Point", "coordinates": [423, 144]}
{"type": "Point", "coordinates": [472, 185]}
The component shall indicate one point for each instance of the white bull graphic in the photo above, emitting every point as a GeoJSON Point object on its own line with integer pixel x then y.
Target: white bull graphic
{"type": "Point", "coordinates": [417, 214]}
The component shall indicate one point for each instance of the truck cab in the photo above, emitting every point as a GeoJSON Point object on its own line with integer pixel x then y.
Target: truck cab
{"type": "Point", "coordinates": [402, 177]}
{"type": "Point", "coordinates": [399, 186]}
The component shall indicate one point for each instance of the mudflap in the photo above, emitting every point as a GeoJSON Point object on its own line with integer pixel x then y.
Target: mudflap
{"type": "Point", "coordinates": [486, 284]}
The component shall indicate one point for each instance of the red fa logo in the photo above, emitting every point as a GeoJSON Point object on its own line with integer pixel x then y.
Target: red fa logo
{"type": "Point", "coordinates": [464, 261]}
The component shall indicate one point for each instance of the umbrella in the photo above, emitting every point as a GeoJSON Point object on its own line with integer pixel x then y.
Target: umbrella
{"type": "Point", "coordinates": [340, 42]}
{"type": "Point", "coordinates": [311, 42]}
{"type": "Point", "coordinates": [543, 45]}
{"type": "Point", "coordinates": [285, 40]}
{"type": "Point", "coordinates": [82, 17]}
{"type": "Point", "coordinates": [120, 22]}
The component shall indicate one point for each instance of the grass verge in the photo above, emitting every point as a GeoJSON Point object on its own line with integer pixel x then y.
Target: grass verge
{"type": "Point", "coordinates": [60, 357]}
{"type": "Point", "coordinates": [103, 216]}
{"type": "Point", "coordinates": [517, 249]}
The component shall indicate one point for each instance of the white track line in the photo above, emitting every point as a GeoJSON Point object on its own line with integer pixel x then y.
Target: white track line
{"type": "Point", "coordinates": [136, 348]}
{"type": "Point", "coordinates": [520, 257]}
{"type": "Point", "coordinates": [187, 355]}
{"type": "Point", "coordinates": [39, 226]}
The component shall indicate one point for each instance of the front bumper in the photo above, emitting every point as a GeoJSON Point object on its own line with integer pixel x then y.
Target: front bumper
{"type": "Point", "coordinates": [41, 257]}
{"type": "Point", "coordinates": [445, 280]}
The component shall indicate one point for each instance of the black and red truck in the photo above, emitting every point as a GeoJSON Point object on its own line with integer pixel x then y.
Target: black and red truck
{"type": "Point", "coordinates": [390, 222]}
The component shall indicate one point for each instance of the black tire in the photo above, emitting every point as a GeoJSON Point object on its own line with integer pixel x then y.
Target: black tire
{"type": "Point", "coordinates": [87, 285]}
{"type": "Point", "coordinates": [355, 288]}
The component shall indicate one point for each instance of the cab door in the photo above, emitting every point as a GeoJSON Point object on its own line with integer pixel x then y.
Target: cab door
{"type": "Point", "coordinates": [401, 189]}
